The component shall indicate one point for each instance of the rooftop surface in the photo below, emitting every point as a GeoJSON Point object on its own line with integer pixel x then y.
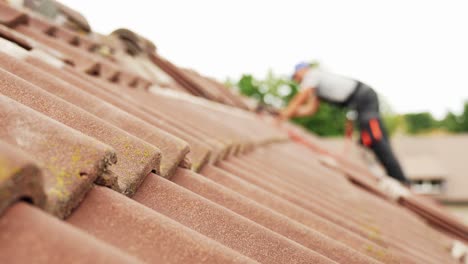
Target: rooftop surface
{"type": "Point", "coordinates": [439, 157]}
{"type": "Point", "coordinates": [110, 153]}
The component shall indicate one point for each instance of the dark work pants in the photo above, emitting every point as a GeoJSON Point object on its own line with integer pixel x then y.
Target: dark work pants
{"type": "Point", "coordinates": [373, 132]}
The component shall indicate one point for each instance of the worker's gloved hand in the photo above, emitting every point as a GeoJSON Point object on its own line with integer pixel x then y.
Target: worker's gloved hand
{"type": "Point", "coordinates": [279, 120]}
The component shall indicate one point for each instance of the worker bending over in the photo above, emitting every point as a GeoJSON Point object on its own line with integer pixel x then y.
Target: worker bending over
{"type": "Point", "coordinates": [317, 85]}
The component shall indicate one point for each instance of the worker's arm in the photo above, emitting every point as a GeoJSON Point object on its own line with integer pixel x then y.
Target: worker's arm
{"type": "Point", "coordinates": [299, 99]}
{"type": "Point", "coordinates": [309, 108]}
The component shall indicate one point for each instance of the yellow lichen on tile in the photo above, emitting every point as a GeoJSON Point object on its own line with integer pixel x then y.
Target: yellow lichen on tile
{"type": "Point", "coordinates": [6, 169]}
{"type": "Point", "coordinates": [379, 253]}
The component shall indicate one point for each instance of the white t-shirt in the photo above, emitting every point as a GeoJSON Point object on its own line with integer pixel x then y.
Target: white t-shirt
{"type": "Point", "coordinates": [330, 87]}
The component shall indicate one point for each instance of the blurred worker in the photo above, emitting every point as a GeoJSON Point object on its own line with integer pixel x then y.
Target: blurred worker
{"type": "Point", "coordinates": [317, 85]}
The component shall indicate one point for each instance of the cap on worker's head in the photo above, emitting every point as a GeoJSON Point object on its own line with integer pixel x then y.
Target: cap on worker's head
{"type": "Point", "coordinates": [298, 67]}
{"type": "Point", "coordinates": [301, 65]}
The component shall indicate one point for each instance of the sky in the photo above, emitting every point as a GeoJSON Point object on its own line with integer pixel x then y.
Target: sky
{"type": "Point", "coordinates": [414, 53]}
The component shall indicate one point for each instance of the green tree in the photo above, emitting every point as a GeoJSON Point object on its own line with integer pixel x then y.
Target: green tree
{"type": "Point", "coordinates": [328, 121]}
{"type": "Point", "coordinates": [393, 121]}
{"type": "Point", "coordinates": [419, 122]}
{"type": "Point", "coordinates": [273, 90]}
{"type": "Point", "coordinates": [451, 123]}
{"type": "Point", "coordinates": [464, 119]}
{"type": "Point", "coordinates": [455, 123]}
{"type": "Point", "coordinates": [249, 86]}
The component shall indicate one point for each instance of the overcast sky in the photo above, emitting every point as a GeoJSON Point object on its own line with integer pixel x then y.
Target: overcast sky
{"type": "Point", "coordinates": [415, 53]}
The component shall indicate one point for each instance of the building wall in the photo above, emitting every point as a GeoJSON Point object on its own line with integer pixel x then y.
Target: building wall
{"type": "Point", "coordinates": [459, 210]}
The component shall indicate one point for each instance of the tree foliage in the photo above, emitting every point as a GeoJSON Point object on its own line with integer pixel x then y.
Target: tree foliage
{"type": "Point", "coordinates": [456, 123]}
{"type": "Point", "coordinates": [277, 92]}
{"type": "Point", "coordinates": [451, 123]}
{"type": "Point", "coordinates": [272, 90]}
{"type": "Point", "coordinates": [419, 122]}
{"type": "Point", "coordinates": [463, 119]}
{"type": "Point", "coordinates": [328, 121]}
{"type": "Point", "coordinates": [393, 122]}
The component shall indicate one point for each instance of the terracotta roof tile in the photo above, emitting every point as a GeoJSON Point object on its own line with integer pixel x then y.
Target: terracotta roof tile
{"type": "Point", "coordinates": [75, 49]}
{"type": "Point", "coordinates": [71, 161]}
{"type": "Point", "coordinates": [222, 225]}
{"type": "Point", "coordinates": [74, 16]}
{"type": "Point", "coordinates": [424, 208]}
{"type": "Point", "coordinates": [169, 112]}
{"type": "Point", "coordinates": [61, 33]}
{"type": "Point", "coordinates": [194, 117]}
{"type": "Point", "coordinates": [197, 84]}
{"type": "Point", "coordinates": [13, 36]}
{"type": "Point", "coordinates": [157, 118]}
{"type": "Point", "coordinates": [82, 108]}
{"type": "Point", "coordinates": [289, 193]}
{"type": "Point", "coordinates": [436, 215]}
{"type": "Point", "coordinates": [73, 55]}
{"type": "Point", "coordinates": [172, 148]}
{"type": "Point", "coordinates": [136, 157]}
{"type": "Point", "coordinates": [145, 233]}
{"type": "Point", "coordinates": [217, 91]}
{"type": "Point", "coordinates": [269, 218]}
{"type": "Point", "coordinates": [372, 219]}
{"type": "Point", "coordinates": [20, 177]}
{"type": "Point", "coordinates": [11, 17]}
{"type": "Point", "coordinates": [179, 76]}
{"type": "Point", "coordinates": [30, 235]}
{"type": "Point", "coordinates": [293, 211]}
{"type": "Point", "coordinates": [199, 150]}
{"type": "Point", "coordinates": [237, 125]}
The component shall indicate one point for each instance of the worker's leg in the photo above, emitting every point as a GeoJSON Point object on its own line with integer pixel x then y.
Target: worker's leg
{"type": "Point", "coordinates": [373, 133]}
{"type": "Point", "coordinates": [374, 136]}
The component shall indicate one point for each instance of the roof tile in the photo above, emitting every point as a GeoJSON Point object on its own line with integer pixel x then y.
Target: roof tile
{"type": "Point", "coordinates": [11, 17]}
{"type": "Point", "coordinates": [173, 149]}
{"type": "Point", "coordinates": [269, 218]}
{"type": "Point", "coordinates": [297, 213]}
{"type": "Point", "coordinates": [266, 193]}
{"type": "Point", "coordinates": [136, 157]}
{"type": "Point", "coordinates": [222, 225]}
{"type": "Point", "coordinates": [15, 37]}
{"type": "Point", "coordinates": [148, 235]}
{"type": "Point", "coordinates": [199, 151]}
{"type": "Point", "coordinates": [71, 160]}
{"type": "Point", "coordinates": [391, 234]}
{"type": "Point", "coordinates": [20, 178]}
{"type": "Point", "coordinates": [152, 114]}
{"type": "Point", "coordinates": [217, 148]}
{"type": "Point", "coordinates": [30, 235]}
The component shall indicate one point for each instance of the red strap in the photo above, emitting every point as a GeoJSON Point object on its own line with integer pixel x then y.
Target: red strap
{"type": "Point", "coordinates": [375, 129]}
{"type": "Point", "coordinates": [366, 138]}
